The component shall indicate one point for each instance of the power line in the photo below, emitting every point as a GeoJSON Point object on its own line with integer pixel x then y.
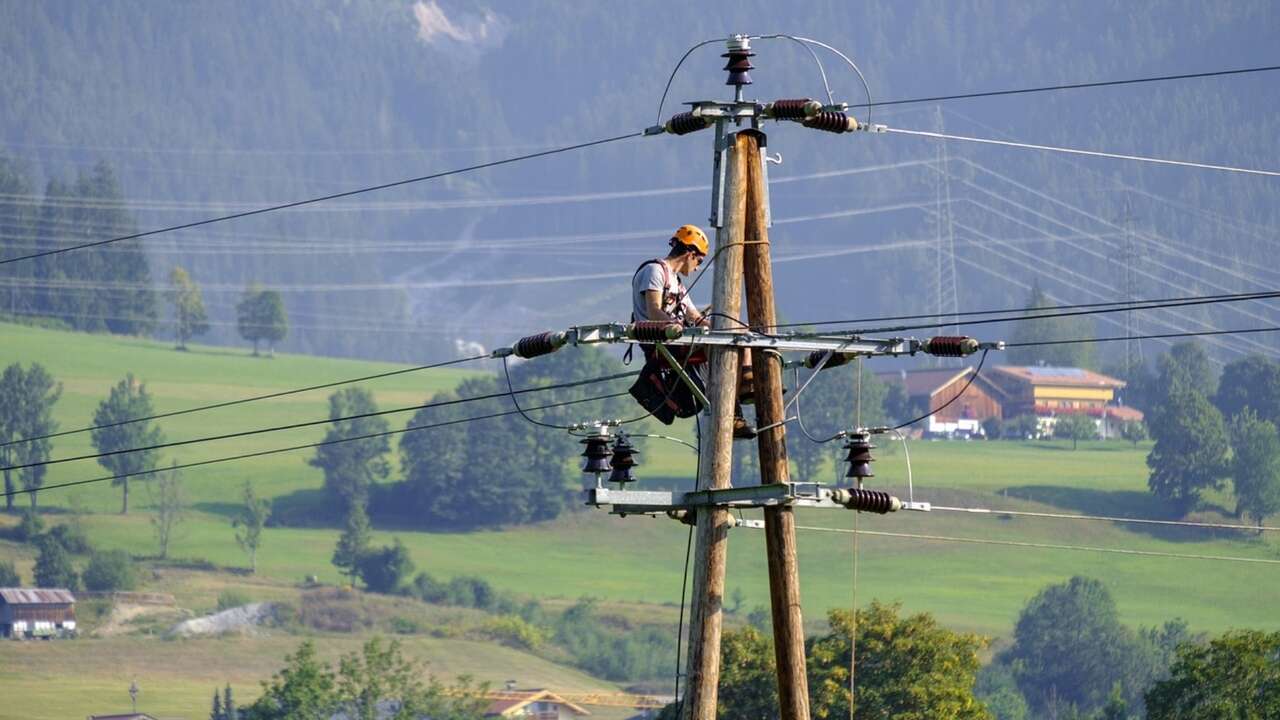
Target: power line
{"type": "Point", "coordinates": [254, 398]}
{"type": "Point", "coordinates": [1045, 546]}
{"type": "Point", "coordinates": [1122, 307]}
{"type": "Point", "coordinates": [1105, 518]}
{"type": "Point", "coordinates": [1159, 336]}
{"type": "Point", "coordinates": [1069, 86]}
{"type": "Point", "coordinates": [323, 198]}
{"type": "Point", "coordinates": [1121, 304]}
{"type": "Point", "coordinates": [1091, 153]}
{"type": "Point", "coordinates": [260, 453]}
{"type": "Point", "coordinates": [311, 423]}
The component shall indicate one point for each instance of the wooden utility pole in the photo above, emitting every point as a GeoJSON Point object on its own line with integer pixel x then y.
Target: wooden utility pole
{"type": "Point", "coordinates": [715, 462]}
{"type": "Point", "coordinates": [779, 521]}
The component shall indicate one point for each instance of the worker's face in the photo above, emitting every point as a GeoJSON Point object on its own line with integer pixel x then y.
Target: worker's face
{"type": "Point", "coordinates": [693, 260]}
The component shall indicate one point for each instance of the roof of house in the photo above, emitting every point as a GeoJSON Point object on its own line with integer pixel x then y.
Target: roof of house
{"type": "Point", "coordinates": [926, 381]}
{"type": "Point", "coordinates": [36, 596]}
{"type": "Point", "coordinates": [516, 699]}
{"type": "Point", "coordinates": [1049, 375]}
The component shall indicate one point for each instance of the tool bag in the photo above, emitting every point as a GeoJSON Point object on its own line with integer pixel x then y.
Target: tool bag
{"type": "Point", "coordinates": [660, 390]}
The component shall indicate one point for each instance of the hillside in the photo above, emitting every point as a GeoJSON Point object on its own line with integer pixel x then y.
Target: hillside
{"type": "Point", "coordinates": [277, 103]}
{"type": "Point", "coordinates": [639, 559]}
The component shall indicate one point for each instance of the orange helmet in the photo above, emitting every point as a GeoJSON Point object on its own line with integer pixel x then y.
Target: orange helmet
{"type": "Point", "coordinates": [692, 236]}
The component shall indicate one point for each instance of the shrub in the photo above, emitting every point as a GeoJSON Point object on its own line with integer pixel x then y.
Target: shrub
{"type": "Point", "coordinates": [53, 566]}
{"type": "Point", "coordinates": [513, 631]}
{"type": "Point", "coordinates": [403, 626]}
{"type": "Point", "coordinates": [30, 527]}
{"type": "Point", "coordinates": [385, 570]}
{"type": "Point", "coordinates": [232, 598]}
{"type": "Point", "coordinates": [109, 571]}
{"type": "Point", "coordinates": [9, 574]}
{"type": "Point", "coordinates": [72, 538]}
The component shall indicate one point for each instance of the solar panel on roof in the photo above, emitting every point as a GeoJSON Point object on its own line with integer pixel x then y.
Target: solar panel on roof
{"type": "Point", "coordinates": [1070, 372]}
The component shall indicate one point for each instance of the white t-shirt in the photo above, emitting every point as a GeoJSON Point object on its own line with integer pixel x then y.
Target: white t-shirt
{"type": "Point", "coordinates": [658, 276]}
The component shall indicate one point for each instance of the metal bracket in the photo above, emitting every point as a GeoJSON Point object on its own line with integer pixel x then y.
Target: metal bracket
{"type": "Point", "coordinates": [684, 376]}
{"type": "Point", "coordinates": [720, 164]}
{"type": "Point", "coordinates": [764, 178]}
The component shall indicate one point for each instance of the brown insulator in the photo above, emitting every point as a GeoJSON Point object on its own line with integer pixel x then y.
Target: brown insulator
{"type": "Point", "coordinates": [832, 121]}
{"type": "Point", "coordinates": [597, 454]}
{"type": "Point", "coordinates": [951, 346]}
{"type": "Point", "coordinates": [652, 331]}
{"type": "Point", "coordinates": [815, 358]}
{"type": "Point", "coordinates": [793, 109]}
{"type": "Point", "coordinates": [875, 501]}
{"type": "Point", "coordinates": [540, 344]}
{"type": "Point", "coordinates": [685, 123]}
{"type": "Point", "coordinates": [859, 457]}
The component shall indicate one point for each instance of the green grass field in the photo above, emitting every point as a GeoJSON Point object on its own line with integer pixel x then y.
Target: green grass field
{"type": "Point", "coordinates": [632, 564]}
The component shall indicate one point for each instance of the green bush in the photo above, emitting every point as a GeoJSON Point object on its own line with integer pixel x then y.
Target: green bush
{"type": "Point", "coordinates": [53, 566]}
{"type": "Point", "coordinates": [110, 571]}
{"type": "Point", "coordinates": [9, 574]}
{"type": "Point", "coordinates": [30, 527]}
{"type": "Point", "coordinates": [72, 538]}
{"type": "Point", "coordinates": [232, 598]}
{"type": "Point", "coordinates": [513, 631]}
{"type": "Point", "coordinates": [385, 570]}
{"type": "Point", "coordinates": [403, 626]}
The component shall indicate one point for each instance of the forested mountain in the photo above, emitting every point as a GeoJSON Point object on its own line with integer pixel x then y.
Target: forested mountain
{"type": "Point", "coordinates": [201, 109]}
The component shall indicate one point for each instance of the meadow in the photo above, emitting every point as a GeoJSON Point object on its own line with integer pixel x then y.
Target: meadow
{"type": "Point", "coordinates": [634, 565]}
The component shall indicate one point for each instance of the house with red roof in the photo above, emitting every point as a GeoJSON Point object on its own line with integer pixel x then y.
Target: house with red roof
{"type": "Point", "coordinates": [933, 389]}
{"type": "Point", "coordinates": [1049, 392]}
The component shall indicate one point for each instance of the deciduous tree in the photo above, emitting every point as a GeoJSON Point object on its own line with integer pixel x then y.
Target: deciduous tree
{"type": "Point", "coordinates": [1190, 451]}
{"type": "Point", "coordinates": [53, 567]}
{"type": "Point", "coordinates": [27, 398]}
{"type": "Point", "coordinates": [352, 466]}
{"type": "Point", "coordinates": [1075, 427]}
{"type": "Point", "coordinates": [353, 543]}
{"type": "Point", "coordinates": [1234, 676]}
{"type": "Point", "coordinates": [249, 523]}
{"type": "Point", "coordinates": [188, 307]}
{"type": "Point", "coordinates": [114, 431]}
{"type": "Point", "coordinates": [1255, 466]}
{"type": "Point", "coordinates": [169, 507]}
{"type": "Point", "coordinates": [260, 316]}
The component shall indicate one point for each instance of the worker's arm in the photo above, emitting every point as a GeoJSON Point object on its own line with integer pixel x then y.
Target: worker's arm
{"type": "Point", "coordinates": [653, 306]}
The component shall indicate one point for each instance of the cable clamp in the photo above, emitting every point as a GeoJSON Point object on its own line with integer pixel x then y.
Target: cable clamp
{"type": "Point", "coordinates": [654, 130]}
{"type": "Point", "coordinates": [917, 506]}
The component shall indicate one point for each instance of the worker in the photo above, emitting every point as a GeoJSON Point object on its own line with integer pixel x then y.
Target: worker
{"type": "Point", "coordinates": [657, 293]}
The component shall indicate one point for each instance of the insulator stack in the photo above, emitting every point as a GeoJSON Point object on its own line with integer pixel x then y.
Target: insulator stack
{"type": "Point", "coordinates": [951, 346]}
{"type": "Point", "coordinates": [685, 123]}
{"type": "Point", "coordinates": [797, 109]}
{"type": "Point", "coordinates": [540, 344]}
{"type": "Point", "coordinates": [597, 454]}
{"type": "Point", "coordinates": [859, 457]}
{"type": "Point", "coordinates": [832, 121]}
{"type": "Point", "coordinates": [815, 358]}
{"type": "Point", "coordinates": [738, 61]}
{"type": "Point", "coordinates": [652, 331]}
{"type": "Point", "coordinates": [875, 501]}
{"type": "Point", "coordinates": [623, 460]}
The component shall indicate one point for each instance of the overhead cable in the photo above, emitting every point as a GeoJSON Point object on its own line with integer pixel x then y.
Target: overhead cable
{"type": "Point", "coordinates": [311, 423]}
{"type": "Point", "coordinates": [254, 398]}
{"type": "Point", "coordinates": [1007, 311]}
{"type": "Point", "coordinates": [1071, 86]}
{"type": "Point", "coordinates": [1091, 153]}
{"type": "Point", "coordinates": [1158, 336]}
{"type": "Point", "coordinates": [323, 198]}
{"type": "Point", "coordinates": [1047, 546]}
{"type": "Point", "coordinates": [1105, 518]}
{"type": "Point", "coordinates": [293, 448]}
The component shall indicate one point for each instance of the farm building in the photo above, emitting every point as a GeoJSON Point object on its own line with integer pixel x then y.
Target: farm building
{"type": "Point", "coordinates": [1048, 392]}
{"type": "Point", "coordinates": [533, 705]}
{"type": "Point", "coordinates": [36, 612]}
{"type": "Point", "coordinates": [930, 389]}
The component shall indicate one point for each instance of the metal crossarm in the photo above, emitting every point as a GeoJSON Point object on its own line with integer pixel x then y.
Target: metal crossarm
{"type": "Point", "coordinates": [848, 345]}
{"type": "Point", "coordinates": [796, 494]}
